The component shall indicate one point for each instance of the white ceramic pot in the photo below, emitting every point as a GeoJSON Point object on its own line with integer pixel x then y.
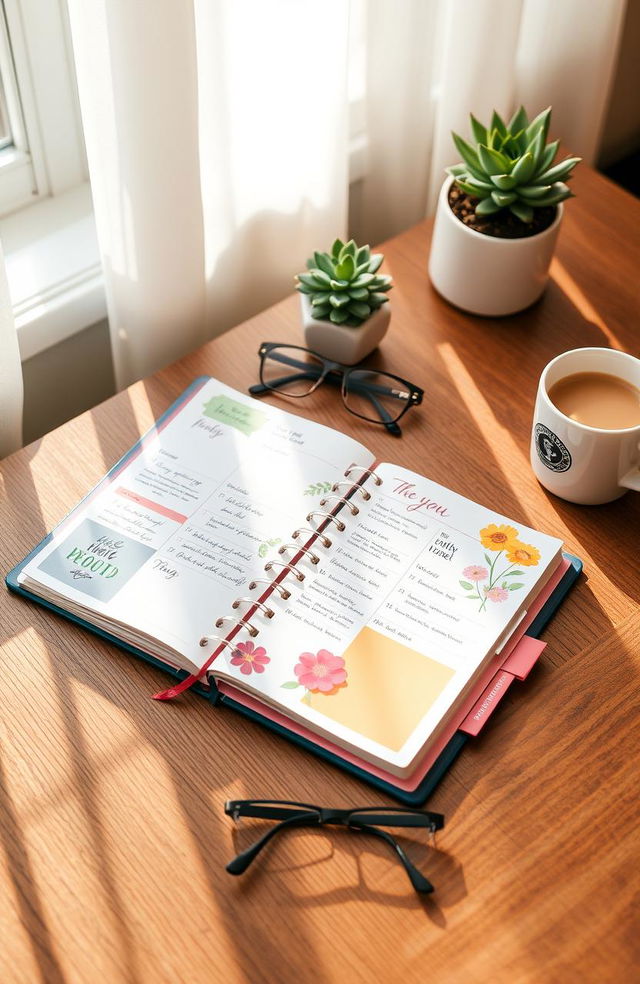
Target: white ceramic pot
{"type": "Point", "coordinates": [484, 274]}
{"type": "Point", "coordinates": [340, 343]}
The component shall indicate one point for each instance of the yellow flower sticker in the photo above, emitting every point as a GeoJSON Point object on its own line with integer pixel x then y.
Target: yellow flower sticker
{"type": "Point", "coordinates": [498, 537]}
{"type": "Point", "coordinates": [495, 582]}
{"type": "Point", "coordinates": [522, 553]}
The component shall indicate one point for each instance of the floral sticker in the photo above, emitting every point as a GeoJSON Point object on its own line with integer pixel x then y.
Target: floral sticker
{"type": "Point", "coordinates": [250, 658]}
{"type": "Point", "coordinates": [320, 672]}
{"type": "Point", "coordinates": [499, 540]}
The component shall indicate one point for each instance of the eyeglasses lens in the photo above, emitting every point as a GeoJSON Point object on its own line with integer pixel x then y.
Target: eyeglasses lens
{"type": "Point", "coordinates": [291, 371]}
{"type": "Point", "coordinates": [375, 395]}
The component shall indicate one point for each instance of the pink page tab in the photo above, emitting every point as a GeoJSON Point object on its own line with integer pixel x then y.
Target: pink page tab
{"type": "Point", "coordinates": [491, 697]}
{"type": "Point", "coordinates": [523, 657]}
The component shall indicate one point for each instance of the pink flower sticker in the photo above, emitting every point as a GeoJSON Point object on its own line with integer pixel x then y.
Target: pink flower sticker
{"type": "Point", "coordinates": [475, 573]}
{"type": "Point", "coordinates": [321, 671]}
{"type": "Point", "coordinates": [249, 658]}
{"type": "Point", "coordinates": [496, 594]}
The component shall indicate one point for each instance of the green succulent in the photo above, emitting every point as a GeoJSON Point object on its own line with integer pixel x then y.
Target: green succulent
{"type": "Point", "coordinates": [344, 286]}
{"type": "Point", "coordinates": [511, 166]}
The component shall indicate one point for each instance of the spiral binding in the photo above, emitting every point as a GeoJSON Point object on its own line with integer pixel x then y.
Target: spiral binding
{"type": "Point", "coordinates": [305, 553]}
{"type": "Point", "coordinates": [251, 629]}
{"type": "Point", "coordinates": [285, 567]}
{"type": "Point", "coordinates": [206, 639]}
{"type": "Point", "coordinates": [311, 554]}
{"type": "Point", "coordinates": [284, 594]}
{"type": "Point", "coordinates": [328, 516]}
{"type": "Point", "coordinates": [324, 540]}
{"type": "Point", "coordinates": [366, 495]}
{"type": "Point", "coordinates": [351, 506]}
{"type": "Point", "coordinates": [267, 612]}
{"type": "Point", "coordinates": [365, 471]}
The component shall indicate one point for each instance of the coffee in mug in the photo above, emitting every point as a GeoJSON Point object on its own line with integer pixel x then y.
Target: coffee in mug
{"type": "Point", "coordinates": [597, 399]}
{"type": "Point", "coordinates": [585, 441]}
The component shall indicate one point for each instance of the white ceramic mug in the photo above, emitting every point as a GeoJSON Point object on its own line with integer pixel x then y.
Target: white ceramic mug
{"type": "Point", "coordinates": [589, 465]}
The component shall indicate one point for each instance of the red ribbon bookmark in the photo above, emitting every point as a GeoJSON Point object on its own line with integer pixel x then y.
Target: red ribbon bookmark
{"type": "Point", "coordinates": [177, 690]}
{"type": "Point", "coordinates": [189, 681]}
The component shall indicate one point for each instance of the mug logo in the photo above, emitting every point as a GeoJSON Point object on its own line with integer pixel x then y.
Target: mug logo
{"type": "Point", "coordinates": [551, 450]}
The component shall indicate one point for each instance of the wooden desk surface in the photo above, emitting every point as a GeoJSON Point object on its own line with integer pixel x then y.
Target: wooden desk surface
{"type": "Point", "coordinates": [112, 836]}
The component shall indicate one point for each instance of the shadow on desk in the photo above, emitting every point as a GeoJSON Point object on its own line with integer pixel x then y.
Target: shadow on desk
{"type": "Point", "coordinates": [324, 849]}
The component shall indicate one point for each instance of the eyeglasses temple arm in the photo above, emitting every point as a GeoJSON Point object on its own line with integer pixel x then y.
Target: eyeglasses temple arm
{"type": "Point", "coordinates": [385, 417]}
{"type": "Point", "coordinates": [417, 879]}
{"type": "Point", "coordinates": [241, 862]}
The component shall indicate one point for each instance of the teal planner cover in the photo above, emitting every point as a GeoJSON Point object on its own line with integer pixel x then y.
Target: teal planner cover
{"type": "Point", "coordinates": [413, 797]}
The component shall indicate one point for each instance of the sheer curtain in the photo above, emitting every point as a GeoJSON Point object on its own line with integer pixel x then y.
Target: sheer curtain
{"type": "Point", "coordinates": [219, 135]}
{"type": "Point", "coordinates": [10, 373]}
{"type": "Point", "coordinates": [216, 137]}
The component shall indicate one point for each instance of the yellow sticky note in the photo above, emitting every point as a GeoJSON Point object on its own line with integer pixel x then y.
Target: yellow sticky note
{"type": "Point", "coordinates": [388, 691]}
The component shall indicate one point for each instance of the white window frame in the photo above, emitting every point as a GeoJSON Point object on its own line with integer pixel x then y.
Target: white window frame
{"type": "Point", "coordinates": [47, 228]}
{"type": "Point", "coordinates": [42, 97]}
{"type": "Point", "coordinates": [17, 181]}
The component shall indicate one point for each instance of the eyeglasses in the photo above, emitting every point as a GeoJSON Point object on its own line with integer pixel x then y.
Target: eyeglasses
{"type": "Point", "coordinates": [296, 372]}
{"type": "Point", "coordinates": [366, 819]}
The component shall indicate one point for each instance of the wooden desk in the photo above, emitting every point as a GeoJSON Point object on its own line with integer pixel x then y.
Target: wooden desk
{"type": "Point", "coordinates": [113, 841]}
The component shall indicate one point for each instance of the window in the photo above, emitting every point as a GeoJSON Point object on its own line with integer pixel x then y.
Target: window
{"type": "Point", "coordinates": [41, 146]}
{"type": "Point", "coordinates": [46, 219]}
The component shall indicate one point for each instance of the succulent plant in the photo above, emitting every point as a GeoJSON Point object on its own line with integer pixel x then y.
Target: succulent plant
{"type": "Point", "coordinates": [344, 286]}
{"type": "Point", "coordinates": [511, 166]}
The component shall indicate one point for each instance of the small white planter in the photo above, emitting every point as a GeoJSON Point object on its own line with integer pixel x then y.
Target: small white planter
{"type": "Point", "coordinates": [484, 274]}
{"type": "Point", "coordinates": [340, 343]}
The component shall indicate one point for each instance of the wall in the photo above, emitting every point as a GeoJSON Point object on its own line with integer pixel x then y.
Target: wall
{"type": "Point", "coordinates": [621, 133]}
{"type": "Point", "coordinates": [66, 379]}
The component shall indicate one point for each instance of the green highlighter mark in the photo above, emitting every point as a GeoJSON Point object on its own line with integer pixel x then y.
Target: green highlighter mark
{"type": "Point", "coordinates": [228, 411]}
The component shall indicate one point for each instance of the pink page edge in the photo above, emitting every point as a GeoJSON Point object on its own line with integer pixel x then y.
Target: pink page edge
{"type": "Point", "coordinates": [409, 783]}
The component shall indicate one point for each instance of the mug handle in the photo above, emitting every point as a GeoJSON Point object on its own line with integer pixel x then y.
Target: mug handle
{"type": "Point", "coordinates": [632, 478]}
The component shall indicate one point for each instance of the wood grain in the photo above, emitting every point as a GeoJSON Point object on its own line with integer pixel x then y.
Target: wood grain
{"type": "Point", "coordinates": [112, 836]}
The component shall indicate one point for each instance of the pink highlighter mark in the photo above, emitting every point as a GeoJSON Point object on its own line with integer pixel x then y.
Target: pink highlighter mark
{"type": "Point", "coordinates": [148, 504]}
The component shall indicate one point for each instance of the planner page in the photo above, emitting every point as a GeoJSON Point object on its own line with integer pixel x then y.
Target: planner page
{"type": "Point", "coordinates": [384, 637]}
{"type": "Point", "coordinates": [177, 531]}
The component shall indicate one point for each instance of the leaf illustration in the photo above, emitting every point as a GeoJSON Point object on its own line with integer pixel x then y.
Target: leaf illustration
{"type": "Point", "coordinates": [473, 597]}
{"type": "Point", "coordinates": [263, 549]}
{"type": "Point", "coordinates": [466, 585]}
{"type": "Point", "coordinates": [317, 488]}
{"type": "Point", "coordinates": [488, 559]}
{"type": "Point", "coordinates": [514, 587]}
{"type": "Point", "coordinates": [290, 685]}
{"type": "Point", "coordinates": [511, 573]}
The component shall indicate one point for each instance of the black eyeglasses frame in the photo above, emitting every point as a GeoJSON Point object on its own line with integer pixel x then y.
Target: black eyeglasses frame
{"type": "Point", "coordinates": [336, 374]}
{"type": "Point", "coordinates": [309, 815]}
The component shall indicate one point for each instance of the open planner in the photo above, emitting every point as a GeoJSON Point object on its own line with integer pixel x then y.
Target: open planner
{"type": "Point", "coordinates": [348, 603]}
